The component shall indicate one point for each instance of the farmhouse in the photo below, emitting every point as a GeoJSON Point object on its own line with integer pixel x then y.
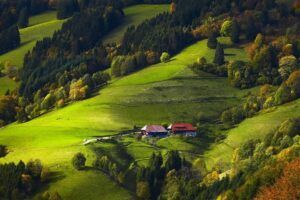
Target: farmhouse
{"type": "Point", "coordinates": [183, 129]}
{"type": "Point", "coordinates": [154, 131]}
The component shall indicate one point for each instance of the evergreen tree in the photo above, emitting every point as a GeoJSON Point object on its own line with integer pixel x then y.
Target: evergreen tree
{"type": "Point", "coordinates": [212, 41]}
{"type": "Point", "coordinates": [23, 18]}
{"type": "Point", "coordinates": [219, 55]}
{"type": "Point", "coordinates": [251, 29]}
{"type": "Point", "coordinates": [66, 8]}
{"type": "Point", "coordinates": [173, 161]}
{"type": "Point", "coordinates": [235, 32]}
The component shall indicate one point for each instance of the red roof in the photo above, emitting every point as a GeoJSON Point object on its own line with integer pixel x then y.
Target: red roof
{"type": "Point", "coordinates": [154, 129]}
{"type": "Point", "coordinates": [183, 127]}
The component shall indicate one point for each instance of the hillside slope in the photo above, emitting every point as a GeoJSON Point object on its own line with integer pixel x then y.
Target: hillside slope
{"type": "Point", "coordinates": [40, 26]}
{"type": "Point", "coordinates": [134, 15]}
{"type": "Point", "coordinates": [252, 128]}
{"type": "Point", "coordinates": [165, 92]}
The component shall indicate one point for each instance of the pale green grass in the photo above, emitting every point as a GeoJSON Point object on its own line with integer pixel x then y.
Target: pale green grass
{"type": "Point", "coordinates": [89, 185]}
{"type": "Point", "coordinates": [160, 93]}
{"type": "Point", "coordinates": [42, 18]}
{"type": "Point", "coordinates": [252, 128]}
{"type": "Point", "coordinates": [134, 15]}
{"type": "Point", "coordinates": [6, 84]}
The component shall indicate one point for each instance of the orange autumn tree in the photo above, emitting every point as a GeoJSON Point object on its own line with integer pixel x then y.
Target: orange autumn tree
{"type": "Point", "coordinates": [287, 187]}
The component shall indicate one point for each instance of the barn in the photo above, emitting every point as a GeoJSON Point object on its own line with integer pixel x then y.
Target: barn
{"type": "Point", "coordinates": [183, 129]}
{"type": "Point", "coordinates": [154, 131]}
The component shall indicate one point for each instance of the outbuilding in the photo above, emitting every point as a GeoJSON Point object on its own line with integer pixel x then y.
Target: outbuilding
{"type": "Point", "coordinates": [154, 131]}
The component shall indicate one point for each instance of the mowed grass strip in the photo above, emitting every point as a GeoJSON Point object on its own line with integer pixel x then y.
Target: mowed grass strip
{"type": "Point", "coordinates": [135, 15]}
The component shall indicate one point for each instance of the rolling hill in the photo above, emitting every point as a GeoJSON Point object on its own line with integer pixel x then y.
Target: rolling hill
{"type": "Point", "coordinates": [164, 92]}
{"type": "Point", "coordinates": [44, 25]}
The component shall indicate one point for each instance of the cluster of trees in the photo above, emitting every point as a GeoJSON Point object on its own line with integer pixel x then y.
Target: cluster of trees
{"type": "Point", "coordinates": [257, 165]}
{"type": "Point", "coordinates": [150, 179]}
{"type": "Point", "coordinates": [11, 11]}
{"type": "Point", "coordinates": [18, 181]}
{"type": "Point", "coordinates": [123, 65]}
{"type": "Point", "coordinates": [268, 97]}
{"type": "Point", "coordinates": [67, 49]}
{"type": "Point", "coordinates": [108, 166]}
{"type": "Point", "coordinates": [67, 88]}
{"type": "Point", "coordinates": [9, 39]}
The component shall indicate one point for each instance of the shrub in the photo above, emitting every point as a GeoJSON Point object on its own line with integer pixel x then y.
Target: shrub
{"type": "Point", "coordinates": [143, 190]}
{"type": "Point", "coordinates": [226, 28]}
{"type": "Point", "coordinates": [78, 161]}
{"type": "Point", "coordinates": [287, 65]}
{"type": "Point", "coordinates": [165, 57]}
{"type": "Point", "coordinates": [3, 151]}
{"type": "Point", "coordinates": [283, 94]}
{"type": "Point", "coordinates": [34, 168]}
{"type": "Point", "coordinates": [294, 83]}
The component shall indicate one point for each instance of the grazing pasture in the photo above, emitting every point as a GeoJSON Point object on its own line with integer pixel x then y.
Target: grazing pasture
{"type": "Point", "coordinates": [162, 93]}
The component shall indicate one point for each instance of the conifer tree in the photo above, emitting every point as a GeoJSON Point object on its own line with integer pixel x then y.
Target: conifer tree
{"type": "Point", "coordinates": [235, 32]}
{"type": "Point", "coordinates": [212, 41]}
{"type": "Point", "coordinates": [23, 18]}
{"type": "Point", "coordinates": [219, 55]}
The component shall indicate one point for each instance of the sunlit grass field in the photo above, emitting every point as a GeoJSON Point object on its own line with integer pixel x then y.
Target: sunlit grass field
{"type": "Point", "coordinates": [162, 93]}
{"type": "Point", "coordinates": [252, 128]}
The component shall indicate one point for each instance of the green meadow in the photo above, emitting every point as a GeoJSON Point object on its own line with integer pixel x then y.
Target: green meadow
{"type": "Point", "coordinates": [134, 16]}
{"type": "Point", "coordinates": [162, 93]}
{"type": "Point", "coordinates": [40, 26]}
{"type": "Point", "coordinates": [252, 128]}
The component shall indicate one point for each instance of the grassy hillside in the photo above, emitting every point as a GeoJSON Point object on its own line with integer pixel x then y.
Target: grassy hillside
{"type": "Point", "coordinates": [134, 16]}
{"type": "Point", "coordinates": [40, 26]}
{"type": "Point", "coordinates": [165, 92]}
{"type": "Point", "coordinates": [252, 128]}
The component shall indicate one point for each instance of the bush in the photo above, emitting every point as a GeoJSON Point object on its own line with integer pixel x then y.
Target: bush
{"type": "Point", "coordinates": [294, 83]}
{"type": "Point", "coordinates": [3, 151]}
{"type": "Point", "coordinates": [143, 190]}
{"type": "Point", "coordinates": [165, 57]}
{"type": "Point", "coordinates": [226, 28]}
{"type": "Point", "coordinates": [287, 65]}
{"type": "Point", "coordinates": [283, 94]}
{"type": "Point", "coordinates": [78, 161]}
{"type": "Point", "coordinates": [34, 168]}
